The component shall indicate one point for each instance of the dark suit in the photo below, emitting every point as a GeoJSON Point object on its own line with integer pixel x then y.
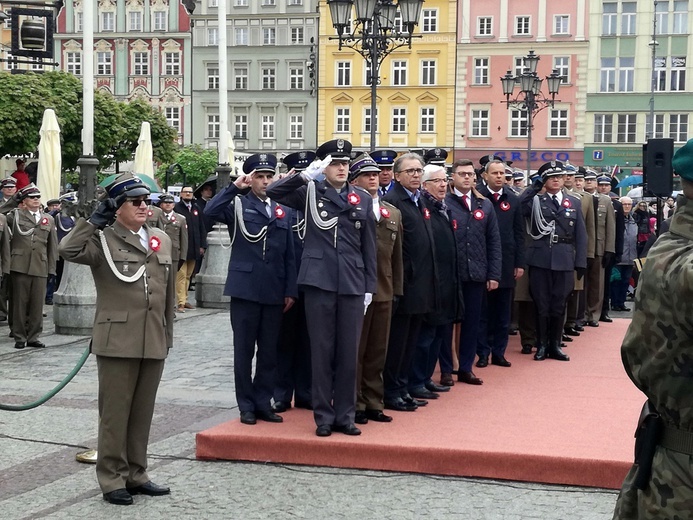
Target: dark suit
{"type": "Point", "coordinates": [419, 292]}
{"type": "Point", "coordinates": [619, 231]}
{"type": "Point", "coordinates": [197, 239]}
{"type": "Point", "coordinates": [262, 273]}
{"type": "Point", "coordinates": [337, 268]}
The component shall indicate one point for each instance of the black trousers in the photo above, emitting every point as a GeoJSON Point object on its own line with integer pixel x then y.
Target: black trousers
{"type": "Point", "coordinates": [293, 356]}
{"type": "Point", "coordinates": [550, 291]}
{"type": "Point", "coordinates": [404, 334]}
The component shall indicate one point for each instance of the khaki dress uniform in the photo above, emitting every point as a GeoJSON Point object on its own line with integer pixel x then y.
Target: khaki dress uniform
{"type": "Point", "coordinates": [576, 301]}
{"type": "Point", "coordinates": [605, 242]}
{"type": "Point", "coordinates": [176, 228]}
{"type": "Point", "coordinates": [133, 331]}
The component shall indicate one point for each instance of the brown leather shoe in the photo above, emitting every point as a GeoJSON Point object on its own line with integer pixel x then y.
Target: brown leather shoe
{"type": "Point", "coordinates": [189, 305]}
{"type": "Point", "coordinates": [446, 380]}
{"type": "Point", "coordinates": [180, 308]}
{"type": "Point", "coordinates": [469, 378]}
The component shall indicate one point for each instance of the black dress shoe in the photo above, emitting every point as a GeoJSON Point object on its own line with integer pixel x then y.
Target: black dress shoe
{"type": "Point", "coordinates": [526, 349]}
{"type": "Point", "coordinates": [500, 361]}
{"type": "Point", "coordinates": [571, 331]}
{"type": "Point", "coordinates": [605, 318]}
{"type": "Point", "coordinates": [423, 393]}
{"type": "Point", "coordinates": [540, 354]}
{"type": "Point", "coordinates": [377, 416]}
{"type": "Point", "coordinates": [483, 362]}
{"type": "Point", "coordinates": [512, 332]}
{"type": "Point", "coordinates": [150, 489]}
{"type": "Point", "coordinates": [280, 406]}
{"type": "Point", "coordinates": [268, 416]}
{"type": "Point", "coordinates": [417, 402]}
{"type": "Point", "coordinates": [346, 429]}
{"type": "Point", "coordinates": [303, 404]}
{"type": "Point", "coordinates": [469, 378]}
{"type": "Point", "coordinates": [566, 338]}
{"type": "Point", "coordinates": [592, 323]}
{"type": "Point", "coordinates": [399, 405]}
{"type": "Point", "coordinates": [35, 344]}
{"type": "Point", "coordinates": [324, 430]}
{"type": "Point", "coordinates": [119, 497]}
{"type": "Point", "coordinates": [248, 418]}
{"type": "Point", "coordinates": [579, 328]}
{"type": "Point", "coordinates": [19, 344]}
{"type": "Point", "coordinates": [436, 388]}
{"type": "Point", "coordinates": [360, 417]}
{"type": "Point", "coordinates": [620, 308]}
{"type": "Point", "coordinates": [556, 353]}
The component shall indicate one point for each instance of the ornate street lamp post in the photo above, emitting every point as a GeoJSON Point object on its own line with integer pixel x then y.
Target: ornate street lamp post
{"type": "Point", "coordinates": [373, 35]}
{"type": "Point", "coordinates": [530, 98]}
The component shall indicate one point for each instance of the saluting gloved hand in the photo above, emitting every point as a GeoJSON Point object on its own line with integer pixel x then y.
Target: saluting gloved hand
{"type": "Point", "coordinates": [608, 259]}
{"type": "Point", "coordinates": [580, 272]}
{"type": "Point", "coordinates": [316, 168]}
{"type": "Point", "coordinates": [104, 213]}
{"type": "Point", "coordinates": [367, 299]}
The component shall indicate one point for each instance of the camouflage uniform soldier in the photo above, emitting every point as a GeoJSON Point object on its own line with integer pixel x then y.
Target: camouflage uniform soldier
{"type": "Point", "coordinates": [656, 355]}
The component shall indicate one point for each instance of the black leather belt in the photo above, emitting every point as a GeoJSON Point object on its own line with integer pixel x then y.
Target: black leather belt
{"type": "Point", "coordinates": [555, 239]}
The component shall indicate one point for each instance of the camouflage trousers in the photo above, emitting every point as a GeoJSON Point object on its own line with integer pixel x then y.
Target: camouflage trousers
{"type": "Point", "coordinates": [668, 495]}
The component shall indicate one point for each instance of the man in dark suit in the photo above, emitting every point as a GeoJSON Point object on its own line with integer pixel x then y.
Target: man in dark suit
{"type": "Point", "coordinates": [338, 276]}
{"type": "Point", "coordinates": [261, 281]}
{"type": "Point", "coordinates": [197, 244]}
{"type": "Point", "coordinates": [609, 261]}
{"type": "Point", "coordinates": [419, 291]}
{"type": "Point", "coordinates": [559, 247]}
{"type": "Point", "coordinates": [495, 319]}
{"type": "Point", "coordinates": [293, 352]}
{"type": "Point", "coordinates": [364, 172]}
{"type": "Point", "coordinates": [133, 330]}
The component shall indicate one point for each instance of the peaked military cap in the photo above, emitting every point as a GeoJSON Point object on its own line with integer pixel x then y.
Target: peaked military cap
{"type": "Point", "coordinates": [299, 161]}
{"type": "Point", "coordinates": [590, 175]}
{"type": "Point", "coordinates": [435, 156]}
{"type": "Point", "coordinates": [518, 175]}
{"type": "Point", "coordinates": [166, 197]}
{"type": "Point", "coordinates": [603, 179]}
{"type": "Point", "coordinates": [551, 169]}
{"type": "Point", "coordinates": [364, 163]}
{"type": "Point", "coordinates": [580, 172]}
{"type": "Point", "coordinates": [484, 160]}
{"type": "Point", "coordinates": [338, 149]}
{"type": "Point", "coordinates": [260, 162]}
{"type": "Point", "coordinates": [384, 158]}
{"type": "Point", "coordinates": [8, 182]}
{"type": "Point", "coordinates": [128, 185]}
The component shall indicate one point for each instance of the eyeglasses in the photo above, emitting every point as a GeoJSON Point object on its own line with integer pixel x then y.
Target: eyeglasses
{"type": "Point", "coordinates": [437, 181]}
{"type": "Point", "coordinates": [465, 174]}
{"type": "Point", "coordinates": [138, 201]}
{"type": "Point", "coordinates": [186, 191]}
{"type": "Point", "coordinates": [412, 171]}
{"type": "Point", "coordinates": [33, 196]}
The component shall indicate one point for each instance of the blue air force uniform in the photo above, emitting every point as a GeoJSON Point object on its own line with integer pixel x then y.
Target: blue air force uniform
{"type": "Point", "coordinates": [262, 273]}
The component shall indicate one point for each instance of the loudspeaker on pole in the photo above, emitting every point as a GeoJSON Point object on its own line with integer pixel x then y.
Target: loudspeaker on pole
{"type": "Point", "coordinates": [658, 173]}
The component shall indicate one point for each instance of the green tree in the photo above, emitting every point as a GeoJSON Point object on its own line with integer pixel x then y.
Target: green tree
{"type": "Point", "coordinates": [197, 162]}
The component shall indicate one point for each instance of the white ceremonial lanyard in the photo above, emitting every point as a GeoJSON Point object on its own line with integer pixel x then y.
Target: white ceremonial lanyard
{"type": "Point", "coordinates": [16, 225]}
{"type": "Point", "coordinates": [114, 269]}
{"type": "Point", "coordinates": [544, 228]}
{"type": "Point", "coordinates": [250, 237]}
{"type": "Point", "coordinates": [311, 206]}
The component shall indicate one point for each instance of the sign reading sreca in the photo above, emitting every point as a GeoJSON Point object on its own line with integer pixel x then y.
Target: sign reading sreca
{"type": "Point", "coordinates": [544, 156]}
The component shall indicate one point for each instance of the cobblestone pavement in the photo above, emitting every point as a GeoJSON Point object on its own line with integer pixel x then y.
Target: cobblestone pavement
{"type": "Point", "coordinates": [39, 477]}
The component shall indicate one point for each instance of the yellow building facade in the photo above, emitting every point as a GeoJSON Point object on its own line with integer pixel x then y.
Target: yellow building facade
{"type": "Point", "coordinates": [416, 94]}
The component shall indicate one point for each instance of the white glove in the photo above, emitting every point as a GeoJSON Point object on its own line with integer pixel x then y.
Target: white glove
{"type": "Point", "coordinates": [316, 168]}
{"type": "Point", "coordinates": [367, 299]}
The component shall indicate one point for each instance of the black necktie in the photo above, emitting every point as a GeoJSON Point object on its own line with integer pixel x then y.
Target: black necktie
{"type": "Point", "coordinates": [555, 201]}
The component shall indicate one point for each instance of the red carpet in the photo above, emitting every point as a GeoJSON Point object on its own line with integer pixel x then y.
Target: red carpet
{"type": "Point", "coordinates": [550, 421]}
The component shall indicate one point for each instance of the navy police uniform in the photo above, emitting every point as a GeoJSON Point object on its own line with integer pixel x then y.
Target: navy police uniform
{"type": "Point", "coordinates": [385, 160]}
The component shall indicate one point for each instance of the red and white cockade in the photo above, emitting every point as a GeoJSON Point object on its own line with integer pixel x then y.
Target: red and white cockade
{"type": "Point", "coordinates": [427, 214]}
{"type": "Point", "coordinates": [384, 212]}
{"type": "Point", "coordinates": [154, 243]}
{"type": "Point", "coordinates": [478, 214]}
{"type": "Point", "coordinates": [279, 212]}
{"type": "Point", "coordinates": [505, 206]}
{"type": "Point", "coordinates": [353, 198]}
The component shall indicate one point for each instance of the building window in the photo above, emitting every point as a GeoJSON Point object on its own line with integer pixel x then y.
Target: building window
{"type": "Point", "coordinates": [172, 115]}
{"type": "Point", "coordinates": [104, 63]}
{"type": "Point", "coordinates": [518, 123]}
{"type": "Point", "coordinates": [171, 63]}
{"type": "Point", "coordinates": [343, 121]}
{"type": "Point", "coordinates": [135, 21]}
{"type": "Point", "coordinates": [484, 26]}
{"type": "Point", "coordinates": [399, 119]}
{"type": "Point", "coordinates": [367, 119]}
{"type": "Point", "coordinates": [212, 36]}
{"type": "Point", "coordinates": [398, 26]}
{"type": "Point", "coordinates": [269, 36]}
{"type": "Point", "coordinates": [603, 128]}
{"type": "Point", "coordinates": [609, 19]}
{"type": "Point", "coordinates": [240, 3]}
{"type": "Point", "coordinates": [240, 73]}
{"type": "Point", "coordinates": [295, 126]}
{"type": "Point", "coordinates": [428, 119]}
{"type": "Point", "coordinates": [268, 126]}
{"type": "Point", "coordinates": [678, 73]}
{"type": "Point", "coordinates": [480, 123]}
{"type": "Point", "coordinates": [626, 72]}
{"type": "Point", "coordinates": [428, 72]}
{"type": "Point", "coordinates": [625, 130]}
{"type": "Point", "coordinates": [295, 2]}
{"type": "Point", "coordinates": [660, 74]}
{"type": "Point", "coordinates": [79, 21]}
{"type": "Point", "coordinates": [12, 65]}
{"type": "Point", "coordinates": [608, 75]}
{"type": "Point", "coordinates": [73, 63]}
{"type": "Point", "coordinates": [213, 126]}
{"type": "Point", "coordinates": [561, 24]}
{"type": "Point", "coordinates": [559, 123]}
{"type": "Point", "coordinates": [562, 65]}
{"type": "Point", "coordinates": [240, 126]}
{"type": "Point", "coordinates": [628, 10]}
{"type": "Point", "coordinates": [659, 126]}
{"type": "Point", "coordinates": [296, 75]}
{"type": "Point", "coordinates": [268, 3]}
{"type": "Point", "coordinates": [240, 35]}
{"type": "Point", "coordinates": [140, 61]}
{"type": "Point", "coordinates": [680, 16]}
{"type": "Point", "coordinates": [36, 65]}
{"type": "Point", "coordinates": [430, 20]}
{"type": "Point", "coordinates": [297, 35]}
{"type": "Point", "coordinates": [399, 73]}
{"type": "Point", "coordinates": [343, 73]}
{"type": "Point", "coordinates": [213, 78]}
{"type": "Point", "coordinates": [522, 25]}
{"type": "Point", "coordinates": [662, 17]}
{"type": "Point", "coordinates": [269, 78]}
{"type": "Point", "coordinates": [481, 67]}
{"type": "Point", "coordinates": [212, 3]}
{"type": "Point", "coordinates": [678, 127]}
{"type": "Point", "coordinates": [160, 20]}
{"type": "Point", "coordinates": [107, 21]}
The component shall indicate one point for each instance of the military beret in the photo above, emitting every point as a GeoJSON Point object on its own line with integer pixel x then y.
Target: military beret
{"type": "Point", "coordinates": [28, 191]}
{"type": "Point", "coordinates": [166, 197]}
{"type": "Point", "coordinates": [8, 182]}
{"type": "Point", "coordinates": [435, 156]}
{"type": "Point", "coordinates": [338, 149]}
{"type": "Point", "coordinates": [384, 158]}
{"type": "Point", "coordinates": [603, 179]}
{"type": "Point", "coordinates": [364, 163]}
{"type": "Point", "coordinates": [128, 185]}
{"type": "Point", "coordinates": [550, 169]}
{"type": "Point", "coordinates": [260, 162]}
{"type": "Point", "coordinates": [683, 161]}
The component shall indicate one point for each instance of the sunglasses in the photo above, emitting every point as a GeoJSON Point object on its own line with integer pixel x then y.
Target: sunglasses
{"type": "Point", "coordinates": [138, 201]}
{"type": "Point", "coordinates": [33, 196]}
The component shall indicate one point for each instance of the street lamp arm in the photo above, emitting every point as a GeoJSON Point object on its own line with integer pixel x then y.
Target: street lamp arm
{"type": "Point", "coordinates": [385, 44]}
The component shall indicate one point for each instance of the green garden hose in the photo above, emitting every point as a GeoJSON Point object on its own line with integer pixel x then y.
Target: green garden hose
{"type": "Point", "coordinates": [52, 393]}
